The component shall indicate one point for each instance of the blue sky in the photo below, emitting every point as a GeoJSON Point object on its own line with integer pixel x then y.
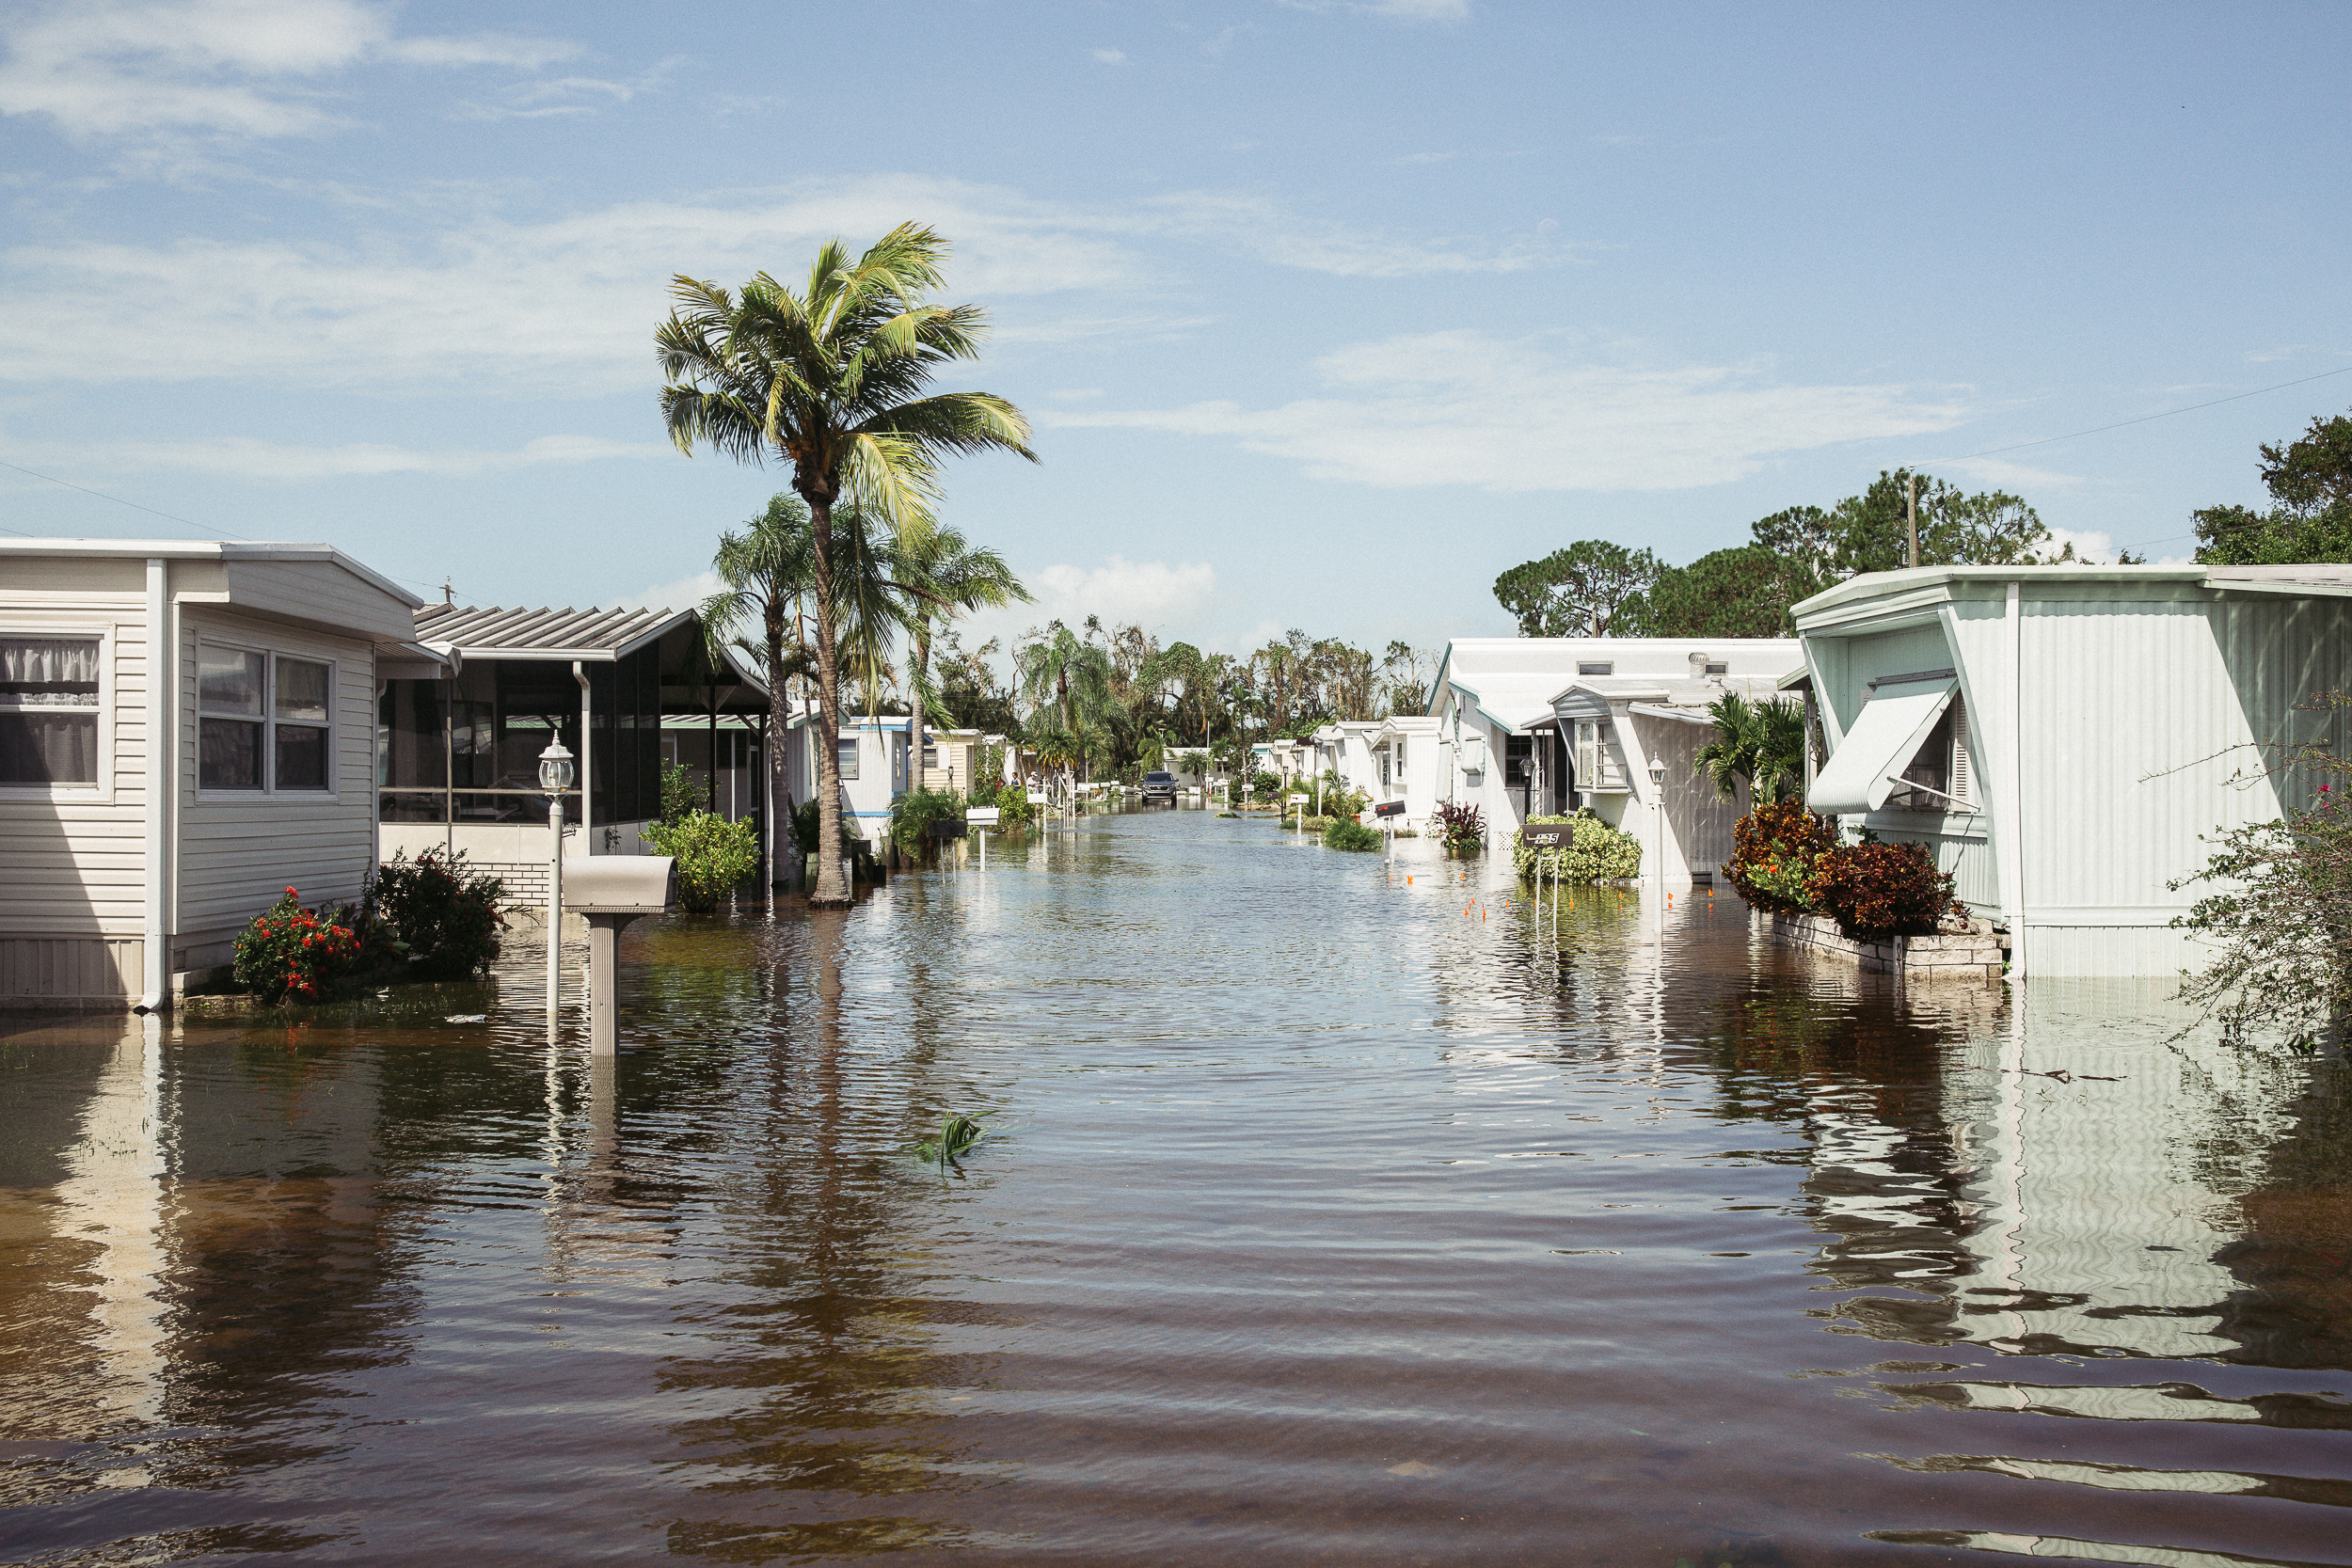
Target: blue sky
{"type": "Point", "coordinates": [1325, 313]}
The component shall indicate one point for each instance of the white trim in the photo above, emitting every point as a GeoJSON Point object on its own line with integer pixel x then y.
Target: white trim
{"type": "Point", "coordinates": [268, 788]}
{"type": "Point", "coordinates": [102, 790]}
{"type": "Point", "coordinates": [162, 668]}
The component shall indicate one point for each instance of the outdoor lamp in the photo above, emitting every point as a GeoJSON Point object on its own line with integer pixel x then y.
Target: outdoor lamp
{"type": "Point", "coordinates": [555, 769]}
{"type": "Point", "coordinates": [1657, 774]}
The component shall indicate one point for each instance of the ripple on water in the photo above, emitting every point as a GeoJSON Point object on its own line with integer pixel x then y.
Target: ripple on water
{"type": "Point", "coordinates": [1325, 1216]}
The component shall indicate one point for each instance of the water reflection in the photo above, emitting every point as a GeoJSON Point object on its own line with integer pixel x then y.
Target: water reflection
{"type": "Point", "coordinates": [1334, 1214]}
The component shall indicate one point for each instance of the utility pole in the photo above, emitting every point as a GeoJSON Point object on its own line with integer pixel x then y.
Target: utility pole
{"type": "Point", "coordinates": [1910, 513]}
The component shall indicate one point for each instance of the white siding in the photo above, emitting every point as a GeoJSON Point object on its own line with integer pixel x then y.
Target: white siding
{"type": "Point", "coordinates": [239, 853]}
{"type": "Point", "coordinates": [74, 857]}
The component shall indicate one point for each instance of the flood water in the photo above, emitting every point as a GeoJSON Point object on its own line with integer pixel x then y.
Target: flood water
{"type": "Point", "coordinates": [1327, 1217]}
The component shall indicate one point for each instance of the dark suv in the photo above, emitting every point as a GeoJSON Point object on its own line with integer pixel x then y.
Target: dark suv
{"type": "Point", "coordinates": [1159, 786]}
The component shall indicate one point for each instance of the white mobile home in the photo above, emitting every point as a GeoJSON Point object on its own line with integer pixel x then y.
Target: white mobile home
{"type": "Point", "coordinates": [185, 731]}
{"type": "Point", "coordinates": [1538, 726]}
{"type": "Point", "coordinates": [1408, 766]}
{"type": "Point", "coordinates": [2062, 735]}
{"type": "Point", "coordinates": [873, 753]}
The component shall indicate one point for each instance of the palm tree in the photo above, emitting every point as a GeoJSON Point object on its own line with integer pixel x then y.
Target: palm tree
{"type": "Point", "coordinates": [943, 575]}
{"type": "Point", "coordinates": [1075, 674]}
{"type": "Point", "coordinates": [1760, 745]}
{"type": "Point", "coordinates": [830, 380]}
{"type": "Point", "coordinates": [765, 573]}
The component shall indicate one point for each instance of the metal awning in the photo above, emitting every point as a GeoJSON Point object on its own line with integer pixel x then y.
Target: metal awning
{"type": "Point", "coordinates": [1882, 741]}
{"type": "Point", "coordinates": [1698, 716]}
{"type": "Point", "coordinates": [590, 636]}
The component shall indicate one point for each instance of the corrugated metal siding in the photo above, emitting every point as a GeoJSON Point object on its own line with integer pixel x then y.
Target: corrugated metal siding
{"type": "Point", "coordinates": [1699, 818]}
{"type": "Point", "coordinates": [2133, 729]}
{"type": "Point", "coordinates": [1904, 652]}
{"type": "Point", "coordinates": [70, 969]}
{"type": "Point", "coordinates": [238, 855]}
{"type": "Point", "coordinates": [74, 864]}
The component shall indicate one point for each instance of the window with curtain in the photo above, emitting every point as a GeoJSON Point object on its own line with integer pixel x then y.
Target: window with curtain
{"type": "Point", "coordinates": [302, 741]}
{"type": "Point", "coordinates": [49, 710]}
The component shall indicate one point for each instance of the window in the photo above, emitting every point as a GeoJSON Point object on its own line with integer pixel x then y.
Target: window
{"type": "Point", "coordinates": [1942, 768]}
{"type": "Point", "coordinates": [1518, 752]}
{"type": "Point", "coordinates": [1400, 756]}
{"type": "Point", "coordinates": [302, 738]}
{"type": "Point", "coordinates": [228, 684]}
{"type": "Point", "coordinates": [263, 722]}
{"type": "Point", "coordinates": [846, 748]}
{"type": "Point", "coordinates": [930, 756]}
{"type": "Point", "coordinates": [1604, 668]}
{"type": "Point", "coordinates": [49, 710]}
{"type": "Point", "coordinates": [1717, 667]}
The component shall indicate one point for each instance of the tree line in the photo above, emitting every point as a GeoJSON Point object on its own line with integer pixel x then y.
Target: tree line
{"type": "Point", "coordinates": [1599, 588]}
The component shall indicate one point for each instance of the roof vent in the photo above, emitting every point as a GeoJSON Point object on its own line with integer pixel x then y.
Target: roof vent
{"type": "Point", "coordinates": [1698, 667]}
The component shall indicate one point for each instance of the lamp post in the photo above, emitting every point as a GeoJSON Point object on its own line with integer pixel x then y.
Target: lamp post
{"type": "Point", "coordinates": [1658, 810]}
{"type": "Point", "coordinates": [555, 777]}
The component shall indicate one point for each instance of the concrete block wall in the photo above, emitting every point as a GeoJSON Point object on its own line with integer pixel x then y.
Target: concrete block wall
{"type": "Point", "coordinates": [1973, 954]}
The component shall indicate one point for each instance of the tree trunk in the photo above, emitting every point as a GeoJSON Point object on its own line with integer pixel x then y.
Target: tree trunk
{"type": "Point", "coordinates": [831, 891]}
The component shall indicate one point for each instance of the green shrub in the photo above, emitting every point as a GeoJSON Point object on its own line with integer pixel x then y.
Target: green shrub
{"type": "Point", "coordinates": [1595, 852]}
{"type": "Point", "coordinates": [293, 954]}
{"type": "Point", "coordinates": [1265, 785]}
{"type": "Point", "coordinates": [1774, 850]}
{"type": "Point", "coordinates": [1879, 890]}
{"type": "Point", "coordinates": [805, 831]}
{"type": "Point", "coordinates": [912, 814]}
{"type": "Point", "coordinates": [709, 854]}
{"type": "Point", "coordinates": [1348, 833]}
{"type": "Point", "coordinates": [1011, 800]}
{"type": "Point", "coordinates": [447, 915]}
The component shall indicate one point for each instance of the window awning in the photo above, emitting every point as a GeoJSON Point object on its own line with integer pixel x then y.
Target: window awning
{"type": "Point", "coordinates": [1885, 735]}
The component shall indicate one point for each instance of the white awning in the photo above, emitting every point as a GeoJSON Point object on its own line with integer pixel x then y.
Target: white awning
{"type": "Point", "coordinates": [1698, 716]}
{"type": "Point", "coordinates": [1885, 737]}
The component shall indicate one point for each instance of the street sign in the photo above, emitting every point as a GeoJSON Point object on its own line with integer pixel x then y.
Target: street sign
{"type": "Point", "coordinates": [981, 816]}
{"type": "Point", "coordinates": [1556, 837]}
{"type": "Point", "coordinates": [1388, 808]}
{"type": "Point", "coordinates": [1299, 800]}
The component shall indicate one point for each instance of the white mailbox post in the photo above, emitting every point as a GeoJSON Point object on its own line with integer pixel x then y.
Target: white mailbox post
{"type": "Point", "coordinates": [981, 818]}
{"type": "Point", "coordinates": [612, 891]}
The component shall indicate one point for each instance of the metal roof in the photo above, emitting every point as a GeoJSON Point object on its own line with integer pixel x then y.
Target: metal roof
{"type": "Point", "coordinates": [566, 633]}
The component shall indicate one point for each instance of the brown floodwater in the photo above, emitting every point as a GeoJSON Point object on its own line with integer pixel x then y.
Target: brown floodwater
{"type": "Point", "coordinates": [1325, 1217]}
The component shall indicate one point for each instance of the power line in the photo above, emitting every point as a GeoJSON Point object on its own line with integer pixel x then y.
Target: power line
{"type": "Point", "coordinates": [152, 511]}
{"type": "Point", "coordinates": [2192, 409]}
{"type": "Point", "coordinates": [119, 501]}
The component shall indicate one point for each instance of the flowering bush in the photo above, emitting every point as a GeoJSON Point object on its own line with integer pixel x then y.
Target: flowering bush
{"type": "Point", "coordinates": [1595, 852]}
{"type": "Point", "coordinates": [1461, 828]}
{"type": "Point", "coordinates": [293, 954]}
{"type": "Point", "coordinates": [1774, 850]}
{"type": "Point", "coordinates": [1878, 889]}
{"type": "Point", "coordinates": [446, 915]}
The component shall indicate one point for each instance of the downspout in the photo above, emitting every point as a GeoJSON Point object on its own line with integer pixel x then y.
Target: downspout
{"type": "Point", "coordinates": [162, 659]}
{"type": "Point", "coordinates": [2013, 817]}
{"type": "Point", "coordinates": [587, 747]}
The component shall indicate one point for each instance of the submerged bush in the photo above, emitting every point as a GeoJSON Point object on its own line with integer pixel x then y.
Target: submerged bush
{"type": "Point", "coordinates": [1348, 833]}
{"type": "Point", "coordinates": [1595, 852]}
{"type": "Point", "coordinates": [293, 954]}
{"type": "Point", "coordinates": [2280, 914]}
{"type": "Point", "coordinates": [1462, 828]}
{"type": "Point", "coordinates": [912, 814]}
{"type": "Point", "coordinates": [1880, 889]}
{"type": "Point", "coordinates": [709, 854]}
{"type": "Point", "coordinates": [1774, 850]}
{"type": "Point", "coordinates": [447, 915]}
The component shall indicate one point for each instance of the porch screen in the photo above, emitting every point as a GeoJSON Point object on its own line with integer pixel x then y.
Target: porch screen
{"type": "Point", "coordinates": [1867, 766]}
{"type": "Point", "coordinates": [49, 710]}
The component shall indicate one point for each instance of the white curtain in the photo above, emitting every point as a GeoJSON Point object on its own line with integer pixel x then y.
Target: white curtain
{"type": "Point", "coordinates": [53, 661]}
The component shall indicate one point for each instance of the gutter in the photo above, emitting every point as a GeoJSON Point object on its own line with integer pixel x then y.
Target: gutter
{"type": "Point", "coordinates": [163, 658]}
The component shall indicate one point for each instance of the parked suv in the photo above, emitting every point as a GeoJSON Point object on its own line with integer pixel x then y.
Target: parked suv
{"type": "Point", "coordinates": [1159, 786]}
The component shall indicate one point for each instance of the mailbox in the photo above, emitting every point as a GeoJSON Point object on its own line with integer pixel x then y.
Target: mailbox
{"type": "Point", "coordinates": [612, 891]}
{"type": "Point", "coordinates": [619, 884]}
{"type": "Point", "coordinates": [1388, 808]}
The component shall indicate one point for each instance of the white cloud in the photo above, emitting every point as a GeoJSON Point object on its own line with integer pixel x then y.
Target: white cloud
{"type": "Point", "coordinates": [1111, 56]}
{"type": "Point", "coordinates": [1399, 11]}
{"type": "Point", "coordinates": [244, 68]}
{"type": "Point", "coordinates": [2014, 476]}
{"type": "Point", "coordinates": [684, 594]}
{"type": "Point", "coordinates": [571, 304]}
{"type": "Point", "coordinates": [1466, 408]}
{"type": "Point", "coordinates": [1415, 160]}
{"type": "Point", "coordinates": [241, 457]}
{"type": "Point", "coordinates": [2089, 544]}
